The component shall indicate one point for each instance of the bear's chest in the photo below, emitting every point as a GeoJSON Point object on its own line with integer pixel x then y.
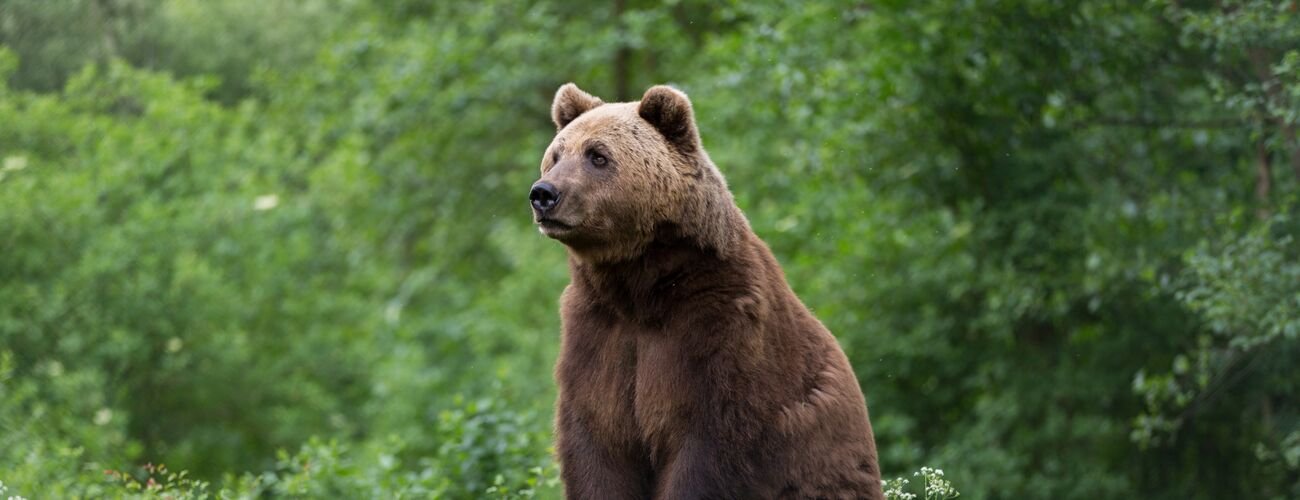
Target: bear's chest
{"type": "Point", "coordinates": [632, 385]}
{"type": "Point", "coordinates": [664, 391]}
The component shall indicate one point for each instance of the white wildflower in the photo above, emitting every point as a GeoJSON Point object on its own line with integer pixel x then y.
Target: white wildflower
{"type": "Point", "coordinates": [14, 163]}
{"type": "Point", "coordinates": [103, 416]}
{"type": "Point", "coordinates": [266, 202]}
{"type": "Point", "coordinates": [933, 485]}
{"type": "Point", "coordinates": [897, 489]}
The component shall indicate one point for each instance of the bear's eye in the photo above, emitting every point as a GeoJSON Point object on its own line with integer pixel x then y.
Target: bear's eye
{"type": "Point", "coordinates": [597, 159]}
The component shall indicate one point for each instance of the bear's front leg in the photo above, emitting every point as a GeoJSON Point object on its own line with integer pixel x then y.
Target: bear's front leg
{"type": "Point", "coordinates": [591, 470]}
{"type": "Point", "coordinates": [696, 408]}
{"type": "Point", "coordinates": [699, 471]}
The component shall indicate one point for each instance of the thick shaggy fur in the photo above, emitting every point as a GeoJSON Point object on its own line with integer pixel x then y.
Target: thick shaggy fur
{"type": "Point", "coordinates": [689, 369]}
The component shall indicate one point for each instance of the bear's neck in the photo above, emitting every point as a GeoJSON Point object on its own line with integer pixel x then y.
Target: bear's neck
{"type": "Point", "coordinates": [713, 221]}
{"type": "Point", "coordinates": [670, 273]}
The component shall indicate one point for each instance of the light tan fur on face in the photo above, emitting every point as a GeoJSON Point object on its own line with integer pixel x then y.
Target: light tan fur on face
{"type": "Point", "coordinates": [650, 183]}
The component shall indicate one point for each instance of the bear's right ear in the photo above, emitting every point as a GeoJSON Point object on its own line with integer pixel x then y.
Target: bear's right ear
{"type": "Point", "coordinates": [570, 103]}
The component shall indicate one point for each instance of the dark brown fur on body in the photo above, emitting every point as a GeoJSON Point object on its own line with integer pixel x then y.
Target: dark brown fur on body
{"type": "Point", "coordinates": [689, 369]}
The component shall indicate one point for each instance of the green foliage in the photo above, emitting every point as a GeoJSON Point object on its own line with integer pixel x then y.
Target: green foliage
{"type": "Point", "coordinates": [1055, 240]}
{"type": "Point", "coordinates": [158, 483]}
{"type": "Point", "coordinates": [233, 41]}
{"type": "Point", "coordinates": [485, 450]}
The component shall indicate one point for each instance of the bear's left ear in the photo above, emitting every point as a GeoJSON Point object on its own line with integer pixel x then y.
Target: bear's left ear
{"type": "Point", "coordinates": [570, 103]}
{"type": "Point", "coordinates": [669, 110]}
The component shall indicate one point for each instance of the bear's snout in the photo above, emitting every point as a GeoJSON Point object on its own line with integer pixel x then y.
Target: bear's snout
{"type": "Point", "coordinates": [544, 197]}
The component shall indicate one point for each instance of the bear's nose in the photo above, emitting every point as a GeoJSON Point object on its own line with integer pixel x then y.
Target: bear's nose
{"type": "Point", "coordinates": [544, 196]}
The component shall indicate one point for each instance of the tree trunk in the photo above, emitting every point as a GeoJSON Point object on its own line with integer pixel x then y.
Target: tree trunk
{"type": "Point", "coordinates": [1294, 145]}
{"type": "Point", "coordinates": [1273, 92]}
{"type": "Point", "coordinates": [621, 55]}
{"type": "Point", "coordinates": [1263, 180]}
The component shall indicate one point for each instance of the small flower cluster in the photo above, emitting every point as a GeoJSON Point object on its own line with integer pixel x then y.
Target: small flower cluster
{"type": "Point", "coordinates": [897, 489]}
{"type": "Point", "coordinates": [936, 487]}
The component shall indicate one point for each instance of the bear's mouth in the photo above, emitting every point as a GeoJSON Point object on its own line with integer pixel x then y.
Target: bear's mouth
{"type": "Point", "coordinates": [553, 228]}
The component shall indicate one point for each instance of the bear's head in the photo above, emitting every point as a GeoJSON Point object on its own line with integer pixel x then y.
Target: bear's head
{"type": "Point", "coordinates": [619, 175]}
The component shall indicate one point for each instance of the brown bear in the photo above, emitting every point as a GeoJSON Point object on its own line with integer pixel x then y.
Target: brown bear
{"type": "Point", "coordinates": [688, 367]}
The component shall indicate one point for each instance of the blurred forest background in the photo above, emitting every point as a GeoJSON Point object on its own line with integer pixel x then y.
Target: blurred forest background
{"type": "Point", "coordinates": [285, 245]}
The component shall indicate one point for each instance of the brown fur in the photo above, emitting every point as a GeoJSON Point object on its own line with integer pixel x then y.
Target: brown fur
{"type": "Point", "coordinates": [689, 369]}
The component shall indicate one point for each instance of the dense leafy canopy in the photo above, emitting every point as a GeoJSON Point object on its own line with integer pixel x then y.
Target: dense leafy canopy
{"type": "Point", "coordinates": [1055, 239]}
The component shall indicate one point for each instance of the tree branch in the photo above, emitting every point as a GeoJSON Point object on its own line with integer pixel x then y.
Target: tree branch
{"type": "Point", "coordinates": [1123, 121]}
{"type": "Point", "coordinates": [1273, 91]}
{"type": "Point", "coordinates": [1263, 177]}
